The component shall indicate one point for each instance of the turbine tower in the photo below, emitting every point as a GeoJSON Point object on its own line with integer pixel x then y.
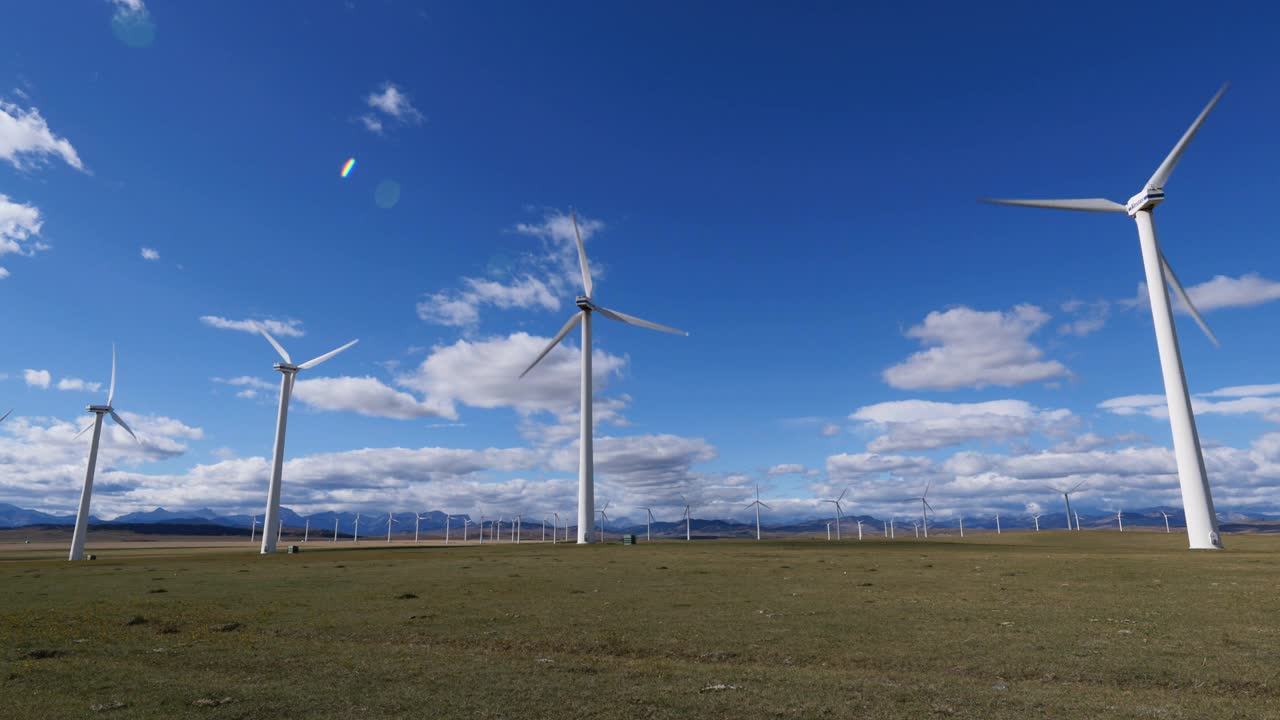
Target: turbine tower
{"type": "Point", "coordinates": [757, 505]}
{"type": "Point", "coordinates": [688, 520]}
{"type": "Point", "coordinates": [586, 462]}
{"type": "Point", "coordinates": [648, 524]}
{"type": "Point", "coordinates": [1197, 500]}
{"type": "Point", "coordinates": [1066, 498]}
{"type": "Point", "coordinates": [287, 372]}
{"type": "Point", "coordinates": [86, 494]}
{"type": "Point", "coordinates": [925, 508]}
{"type": "Point", "coordinates": [839, 510]}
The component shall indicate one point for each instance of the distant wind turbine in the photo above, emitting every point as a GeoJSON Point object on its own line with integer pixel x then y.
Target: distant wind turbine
{"type": "Point", "coordinates": [447, 518]}
{"type": "Point", "coordinates": [648, 524]}
{"type": "Point", "coordinates": [253, 529]}
{"type": "Point", "coordinates": [86, 493]}
{"type": "Point", "coordinates": [828, 532]}
{"type": "Point", "coordinates": [287, 372]}
{"type": "Point", "coordinates": [1120, 518]}
{"type": "Point", "coordinates": [1197, 500]}
{"type": "Point", "coordinates": [757, 505]}
{"type": "Point", "coordinates": [603, 518]}
{"type": "Point", "coordinates": [916, 525]}
{"type": "Point", "coordinates": [1066, 498]}
{"type": "Point", "coordinates": [925, 507]}
{"type": "Point", "coordinates": [466, 523]}
{"type": "Point", "coordinates": [306, 531]}
{"type": "Point", "coordinates": [1166, 521]}
{"type": "Point", "coordinates": [962, 526]}
{"type": "Point", "coordinates": [997, 523]}
{"type": "Point", "coordinates": [1077, 522]}
{"type": "Point", "coordinates": [555, 520]}
{"type": "Point", "coordinates": [586, 462]}
{"type": "Point", "coordinates": [481, 528]}
{"type": "Point", "coordinates": [859, 530]}
{"type": "Point", "coordinates": [839, 510]}
{"type": "Point", "coordinates": [1037, 519]}
{"type": "Point", "coordinates": [355, 536]}
{"type": "Point", "coordinates": [335, 529]}
{"type": "Point", "coordinates": [688, 520]}
{"type": "Point", "coordinates": [417, 521]}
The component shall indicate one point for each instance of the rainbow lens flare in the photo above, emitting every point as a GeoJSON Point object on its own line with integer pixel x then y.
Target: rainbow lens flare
{"type": "Point", "coordinates": [347, 167]}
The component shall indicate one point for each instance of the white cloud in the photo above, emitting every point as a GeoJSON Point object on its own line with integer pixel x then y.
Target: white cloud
{"type": "Point", "coordinates": [394, 104]}
{"type": "Point", "coordinates": [975, 349]}
{"type": "Point", "coordinates": [4, 273]}
{"type": "Point", "coordinates": [74, 383]}
{"type": "Point", "coordinates": [367, 396]}
{"type": "Point", "coordinates": [1088, 317]}
{"type": "Point", "coordinates": [830, 430]}
{"type": "Point", "coordinates": [25, 139]}
{"type": "Point", "coordinates": [37, 378]}
{"type": "Point", "coordinates": [19, 223]}
{"type": "Point", "coordinates": [534, 280]}
{"type": "Point", "coordinates": [844, 467]}
{"type": "Point", "coordinates": [1263, 400]}
{"type": "Point", "coordinates": [486, 374]}
{"type": "Point", "coordinates": [129, 5]}
{"type": "Point", "coordinates": [1221, 291]}
{"type": "Point", "coordinates": [788, 469]}
{"type": "Point", "coordinates": [923, 424]}
{"type": "Point", "coordinates": [150, 254]}
{"type": "Point", "coordinates": [278, 328]}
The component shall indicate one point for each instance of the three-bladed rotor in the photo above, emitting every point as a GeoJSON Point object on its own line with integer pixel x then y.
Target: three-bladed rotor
{"type": "Point", "coordinates": [109, 408]}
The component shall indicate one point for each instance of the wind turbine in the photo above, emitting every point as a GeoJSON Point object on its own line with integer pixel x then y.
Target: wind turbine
{"type": "Point", "coordinates": [466, 523]}
{"type": "Point", "coordinates": [1166, 521]}
{"type": "Point", "coordinates": [688, 520]}
{"type": "Point", "coordinates": [481, 528]}
{"type": "Point", "coordinates": [925, 507]}
{"type": "Point", "coordinates": [390, 521]}
{"type": "Point", "coordinates": [1197, 500]}
{"type": "Point", "coordinates": [306, 532]}
{"type": "Point", "coordinates": [997, 523]}
{"type": "Point", "coordinates": [586, 462]}
{"type": "Point", "coordinates": [916, 525]}
{"type": "Point", "coordinates": [839, 510]}
{"type": "Point", "coordinates": [519, 528]}
{"type": "Point", "coordinates": [495, 533]}
{"type": "Point", "coordinates": [893, 533]}
{"type": "Point", "coordinates": [253, 529]}
{"type": "Point", "coordinates": [447, 518]}
{"type": "Point", "coordinates": [1066, 498]}
{"type": "Point", "coordinates": [1120, 518]}
{"type": "Point", "coordinates": [859, 530]}
{"type": "Point", "coordinates": [355, 536]}
{"type": "Point", "coordinates": [555, 521]}
{"type": "Point", "coordinates": [757, 505]}
{"type": "Point", "coordinates": [417, 521]}
{"type": "Point", "coordinates": [886, 527]}
{"type": "Point", "coordinates": [1077, 522]}
{"type": "Point", "coordinates": [335, 529]}
{"type": "Point", "coordinates": [603, 518]}
{"type": "Point", "coordinates": [86, 493]}
{"type": "Point", "coordinates": [828, 532]}
{"type": "Point", "coordinates": [962, 526]}
{"type": "Point", "coordinates": [1037, 519]}
{"type": "Point", "coordinates": [648, 524]}
{"type": "Point", "coordinates": [287, 372]}
{"type": "Point", "coordinates": [544, 528]}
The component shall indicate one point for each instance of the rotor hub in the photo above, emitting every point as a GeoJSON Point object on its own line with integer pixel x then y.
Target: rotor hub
{"type": "Point", "coordinates": [99, 409]}
{"type": "Point", "coordinates": [286, 368]}
{"type": "Point", "coordinates": [584, 302]}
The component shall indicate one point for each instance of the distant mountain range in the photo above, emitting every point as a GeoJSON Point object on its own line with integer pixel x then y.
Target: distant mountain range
{"type": "Point", "coordinates": [433, 523]}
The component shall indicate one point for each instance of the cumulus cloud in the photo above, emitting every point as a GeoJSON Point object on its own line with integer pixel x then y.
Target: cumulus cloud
{"type": "Point", "coordinates": [26, 140]}
{"type": "Point", "coordinates": [923, 424]}
{"type": "Point", "coordinates": [150, 254]}
{"type": "Point", "coordinates": [975, 349]}
{"type": "Point", "coordinates": [74, 383]}
{"type": "Point", "coordinates": [37, 378]}
{"type": "Point", "coordinates": [534, 280]}
{"type": "Point", "coordinates": [1222, 291]}
{"type": "Point", "coordinates": [830, 430]}
{"type": "Point", "coordinates": [278, 328]}
{"type": "Point", "coordinates": [367, 396]}
{"type": "Point", "coordinates": [847, 466]}
{"type": "Point", "coordinates": [19, 225]}
{"type": "Point", "coordinates": [788, 469]}
{"type": "Point", "coordinates": [389, 102]}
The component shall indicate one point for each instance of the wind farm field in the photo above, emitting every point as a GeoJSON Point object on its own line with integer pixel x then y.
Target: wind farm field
{"type": "Point", "coordinates": [1054, 624]}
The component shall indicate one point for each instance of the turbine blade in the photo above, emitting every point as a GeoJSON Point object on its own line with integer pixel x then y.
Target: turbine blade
{"type": "Point", "coordinates": [111, 391]}
{"type": "Point", "coordinates": [317, 360]}
{"type": "Point", "coordinates": [766, 507]}
{"type": "Point", "coordinates": [85, 430]}
{"type": "Point", "coordinates": [1163, 172]}
{"type": "Point", "coordinates": [846, 492]}
{"type": "Point", "coordinates": [120, 421]}
{"type": "Point", "coordinates": [577, 318]}
{"type": "Point", "coordinates": [582, 255]}
{"type": "Point", "coordinates": [1186, 299]}
{"type": "Point", "coordinates": [275, 344]}
{"type": "Point", "coordinates": [925, 494]}
{"type": "Point", "coordinates": [632, 320]}
{"type": "Point", "coordinates": [1077, 486]}
{"type": "Point", "coordinates": [1083, 204]}
{"type": "Point", "coordinates": [2, 417]}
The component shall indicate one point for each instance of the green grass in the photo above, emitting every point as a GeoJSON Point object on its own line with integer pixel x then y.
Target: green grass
{"type": "Point", "coordinates": [1092, 625]}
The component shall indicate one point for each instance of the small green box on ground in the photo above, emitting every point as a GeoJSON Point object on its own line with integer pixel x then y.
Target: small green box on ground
{"type": "Point", "coordinates": [628, 539]}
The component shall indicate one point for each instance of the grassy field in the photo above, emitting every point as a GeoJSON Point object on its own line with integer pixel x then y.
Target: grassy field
{"type": "Point", "coordinates": [1088, 625]}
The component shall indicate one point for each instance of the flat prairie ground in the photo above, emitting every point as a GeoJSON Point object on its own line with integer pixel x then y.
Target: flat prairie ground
{"type": "Point", "coordinates": [1051, 624]}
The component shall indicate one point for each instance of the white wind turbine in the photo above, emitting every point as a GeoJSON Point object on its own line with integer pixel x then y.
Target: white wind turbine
{"type": "Point", "coordinates": [287, 372]}
{"type": "Point", "coordinates": [355, 535]}
{"type": "Point", "coordinates": [306, 530]}
{"type": "Point", "coordinates": [391, 520]}
{"type": "Point", "coordinates": [1166, 521]}
{"type": "Point", "coordinates": [335, 529]}
{"type": "Point", "coordinates": [997, 523]}
{"type": "Point", "coordinates": [603, 519]}
{"type": "Point", "coordinates": [962, 526]}
{"type": "Point", "coordinates": [1197, 500]}
{"type": "Point", "coordinates": [544, 527]}
{"type": "Point", "coordinates": [417, 521]}
{"type": "Point", "coordinates": [555, 521]}
{"type": "Point", "coordinates": [925, 507]}
{"type": "Point", "coordinates": [828, 532]}
{"type": "Point", "coordinates": [1037, 519]}
{"type": "Point", "coordinates": [1077, 522]}
{"type": "Point", "coordinates": [886, 527]}
{"type": "Point", "coordinates": [586, 461]}
{"type": "Point", "coordinates": [447, 519]}
{"type": "Point", "coordinates": [839, 510]}
{"type": "Point", "coordinates": [757, 505]}
{"type": "Point", "coordinates": [648, 524]}
{"type": "Point", "coordinates": [86, 493]}
{"type": "Point", "coordinates": [253, 529]}
{"type": "Point", "coordinates": [859, 530]}
{"type": "Point", "coordinates": [519, 528]}
{"type": "Point", "coordinates": [466, 523]}
{"type": "Point", "coordinates": [1120, 518]}
{"type": "Point", "coordinates": [496, 530]}
{"type": "Point", "coordinates": [1066, 498]}
{"type": "Point", "coordinates": [916, 525]}
{"type": "Point", "coordinates": [481, 528]}
{"type": "Point", "coordinates": [688, 520]}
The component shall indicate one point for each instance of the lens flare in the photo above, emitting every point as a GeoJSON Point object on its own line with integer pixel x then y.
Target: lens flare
{"type": "Point", "coordinates": [347, 167]}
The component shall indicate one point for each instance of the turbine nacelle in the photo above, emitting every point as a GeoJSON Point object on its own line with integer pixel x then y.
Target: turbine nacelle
{"type": "Point", "coordinates": [1145, 200]}
{"type": "Point", "coordinates": [584, 302]}
{"type": "Point", "coordinates": [99, 409]}
{"type": "Point", "coordinates": [287, 368]}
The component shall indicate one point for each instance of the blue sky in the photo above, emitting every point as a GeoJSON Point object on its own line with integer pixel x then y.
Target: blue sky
{"type": "Point", "coordinates": [795, 187]}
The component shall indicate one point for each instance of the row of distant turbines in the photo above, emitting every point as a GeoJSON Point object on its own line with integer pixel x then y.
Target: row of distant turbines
{"type": "Point", "coordinates": [1202, 527]}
